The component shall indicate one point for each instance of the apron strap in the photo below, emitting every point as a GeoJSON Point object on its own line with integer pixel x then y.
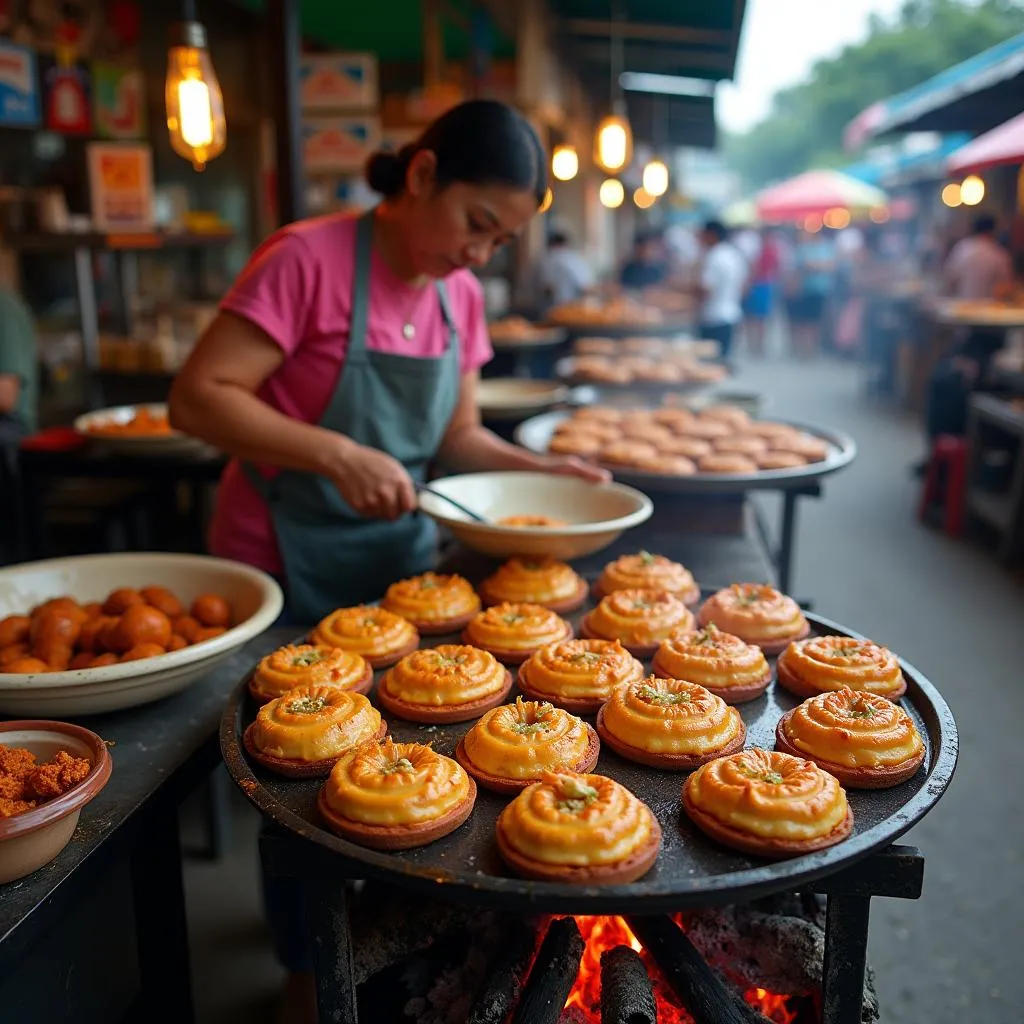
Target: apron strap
{"type": "Point", "coordinates": [359, 316]}
{"type": "Point", "coordinates": [446, 313]}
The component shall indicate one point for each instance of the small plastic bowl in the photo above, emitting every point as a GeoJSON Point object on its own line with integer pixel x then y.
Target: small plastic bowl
{"type": "Point", "coordinates": [33, 838]}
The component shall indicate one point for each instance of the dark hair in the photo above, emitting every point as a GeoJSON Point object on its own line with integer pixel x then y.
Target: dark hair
{"type": "Point", "coordinates": [716, 228]}
{"type": "Point", "coordinates": [984, 224]}
{"type": "Point", "coordinates": [481, 142]}
{"type": "Point", "coordinates": [649, 235]}
{"type": "Point", "coordinates": [557, 238]}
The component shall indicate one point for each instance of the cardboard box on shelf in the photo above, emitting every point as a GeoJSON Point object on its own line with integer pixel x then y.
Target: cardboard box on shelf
{"type": "Point", "coordinates": [338, 144]}
{"type": "Point", "coordinates": [338, 81]}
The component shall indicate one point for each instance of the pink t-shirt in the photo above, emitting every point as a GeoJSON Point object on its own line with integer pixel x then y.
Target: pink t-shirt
{"type": "Point", "coordinates": [298, 288]}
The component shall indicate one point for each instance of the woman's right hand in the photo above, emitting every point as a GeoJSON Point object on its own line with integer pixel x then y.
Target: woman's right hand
{"type": "Point", "coordinates": [374, 484]}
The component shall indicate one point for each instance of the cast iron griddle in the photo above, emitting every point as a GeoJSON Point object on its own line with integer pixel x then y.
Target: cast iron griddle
{"type": "Point", "coordinates": [535, 434]}
{"type": "Point", "coordinates": [692, 869]}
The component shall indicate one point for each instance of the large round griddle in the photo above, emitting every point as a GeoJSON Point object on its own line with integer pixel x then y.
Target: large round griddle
{"type": "Point", "coordinates": [535, 434]}
{"type": "Point", "coordinates": [669, 326]}
{"type": "Point", "coordinates": [692, 870]}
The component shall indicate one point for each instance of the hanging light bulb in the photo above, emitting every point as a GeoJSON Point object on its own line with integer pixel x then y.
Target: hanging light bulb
{"type": "Point", "coordinates": [613, 144]}
{"type": "Point", "coordinates": [972, 190]}
{"type": "Point", "coordinates": [195, 106]}
{"type": "Point", "coordinates": [655, 178]}
{"type": "Point", "coordinates": [951, 194]}
{"type": "Point", "coordinates": [565, 163]}
{"type": "Point", "coordinates": [837, 218]}
{"type": "Point", "coordinates": [643, 199]}
{"type": "Point", "coordinates": [611, 193]}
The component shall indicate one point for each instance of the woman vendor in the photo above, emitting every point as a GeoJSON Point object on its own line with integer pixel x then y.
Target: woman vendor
{"type": "Point", "coordinates": [345, 360]}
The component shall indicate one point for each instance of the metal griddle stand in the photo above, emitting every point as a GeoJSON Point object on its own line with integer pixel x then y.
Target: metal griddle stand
{"type": "Point", "coordinates": [896, 872]}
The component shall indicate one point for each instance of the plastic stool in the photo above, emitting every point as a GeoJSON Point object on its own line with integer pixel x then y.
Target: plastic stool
{"type": "Point", "coordinates": [951, 452]}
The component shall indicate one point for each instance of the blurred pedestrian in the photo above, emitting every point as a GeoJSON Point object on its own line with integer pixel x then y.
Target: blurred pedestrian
{"type": "Point", "coordinates": [762, 290]}
{"type": "Point", "coordinates": [563, 274]}
{"type": "Point", "coordinates": [809, 289]}
{"type": "Point", "coordinates": [723, 276]}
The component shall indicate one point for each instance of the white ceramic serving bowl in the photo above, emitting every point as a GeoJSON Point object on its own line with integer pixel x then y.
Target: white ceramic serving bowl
{"type": "Point", "coordinates": [255, 599]}
{"type": "Point", "coordinates": [509, 397]}
{"type": "Point", "coordinates": [33, 838]}
{"type": "Point", "coordinates": [597, 514]}
{"type": "Point", "coordinates": [174, 443]}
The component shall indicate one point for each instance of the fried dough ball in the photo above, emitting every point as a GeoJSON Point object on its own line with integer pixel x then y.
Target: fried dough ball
{"type": "Point", "coordinates": [108, 637]}
{"type": "Point", "coordinates": [67, 605]}
{"type": "Point", "coordinates": [109, 658]}
{"type": "Point", "coordinates": [212, 610]}
{"type": "Point", "coordinates": [12, 652]}
{"type": "Point", "coordinates": [142, 624]}
{"type": "Point", "coordinates": [92, 629]}
{"type": "Point", "coordinates": [162, 598]}
{"type": "Point", "coordinates": [26, 664]}
{"type": "Point", "coordinates": [176, 643]}
{"type": "Point", "coordinates": [81, 660]}
{"type": "Point", "coordinates": [54, 626]}
{"type": "Point", "coordinates": [208, 633]}
{"type": "Point", "coordinates": [120, 600]}
{"type": "Point", "coordinates": [14, 630]}
{"type": "Point", "coordinates": [186, 627]}
{"type": "Point", "coordinates": [141, 651]}
{"type": "Point", "coordinates": [55, 653]}
{"type": "Point", "coordinates": [93, 610]}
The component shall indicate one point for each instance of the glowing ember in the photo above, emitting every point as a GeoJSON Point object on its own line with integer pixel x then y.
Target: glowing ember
{"type": "Point", "coordinates": [601, 933]}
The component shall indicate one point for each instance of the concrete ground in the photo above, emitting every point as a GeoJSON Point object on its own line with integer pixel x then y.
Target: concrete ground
{"type": "Point", "coordinates": [950, 609]}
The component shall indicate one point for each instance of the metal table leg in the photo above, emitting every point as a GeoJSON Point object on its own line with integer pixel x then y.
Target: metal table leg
{"type": "Point", "coordinates": [846, 952]}
{"type": "Point", "coordinates": [784, 555]}
{"type": "Point", "coordinates": [161, 928]}
{"type": "Point", "coordinates": [332, 952]}
{"type": "Point", "coordinates": [218, 813]}
{"type": "Point", "coordinates": [896, 872]}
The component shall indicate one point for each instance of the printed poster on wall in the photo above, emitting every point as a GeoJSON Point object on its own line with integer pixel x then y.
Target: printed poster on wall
{"type": "Point", "coordinates": [338, 81]}
{"type": "Point", "coordinates": [67, 105]}
{"type": "Point", "coordinates": [338, 143]}
{"type": "Point", "coordinates": [121, 186]}
{"type": "Point", "coordinates": [119, 108]}
{"type": "Point", "coordinates": [19, 87]}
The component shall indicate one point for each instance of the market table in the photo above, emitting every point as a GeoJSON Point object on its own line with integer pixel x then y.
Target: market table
{"type": "Point", "coordinates": [992, 420]}
{"type": "Point", "coordinates": [122, 868]}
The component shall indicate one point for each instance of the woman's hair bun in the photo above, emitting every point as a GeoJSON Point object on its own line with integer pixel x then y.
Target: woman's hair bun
{"type": "Point", "coordinates": [385, 173]}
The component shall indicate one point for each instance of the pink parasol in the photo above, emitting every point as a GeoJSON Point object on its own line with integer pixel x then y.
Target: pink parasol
{"type": "Point", "coordinates": [817, 192]}
{"type": "Point", "coordinates": [1002, 145]}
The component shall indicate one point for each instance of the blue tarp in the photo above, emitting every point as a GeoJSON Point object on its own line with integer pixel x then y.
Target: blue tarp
{"type": "Point", "coordinates": [991, 68]}
{"type": "Point", "coordinates": [903, 167]}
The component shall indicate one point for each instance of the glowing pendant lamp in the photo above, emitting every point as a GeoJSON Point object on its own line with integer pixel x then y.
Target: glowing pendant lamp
{"type": "Point", "coordinates": [613, 141]}
{"type": "Point", "coordinates": [195, 106]}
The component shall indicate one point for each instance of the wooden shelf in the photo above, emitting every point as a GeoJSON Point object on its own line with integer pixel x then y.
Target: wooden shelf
{"type": "Point", "coordinates": [117, 242]}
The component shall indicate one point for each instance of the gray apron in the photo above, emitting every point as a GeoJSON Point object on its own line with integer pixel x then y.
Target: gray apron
{"type": "Point", "coordinates": [398, 404]}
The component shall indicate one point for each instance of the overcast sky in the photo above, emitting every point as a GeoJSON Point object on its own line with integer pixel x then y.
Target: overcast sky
{"type": "Point", "coordinates": [781, 40]}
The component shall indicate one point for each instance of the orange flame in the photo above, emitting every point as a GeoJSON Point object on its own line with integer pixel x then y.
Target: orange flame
{"type": "Point", "coordinates": [602, 933]}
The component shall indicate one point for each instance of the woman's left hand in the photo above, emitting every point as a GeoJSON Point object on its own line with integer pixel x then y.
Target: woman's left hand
{"type": "Point", "coordinates": [569, 465]}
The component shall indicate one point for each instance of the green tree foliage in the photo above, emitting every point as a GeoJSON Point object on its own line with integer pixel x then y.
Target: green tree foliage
{"type": "Point", "coordinates": [805, 126]}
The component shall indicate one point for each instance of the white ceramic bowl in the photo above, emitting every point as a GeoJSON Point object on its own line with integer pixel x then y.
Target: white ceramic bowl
{"type": "Point", "coordinates": [597, 514]}
{"type": "Point", "coordinates": [33, 838]}
{"type": "Point", "coordinates": [508, 397]}
{"type": "Point", "coordinates": [174, 443]}
{"type": "Point", "coordinates": [255, 599]}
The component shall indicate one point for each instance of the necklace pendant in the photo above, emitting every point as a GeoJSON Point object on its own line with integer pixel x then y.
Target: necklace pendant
{"type": "Point", "coordinates": [408, 331]}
